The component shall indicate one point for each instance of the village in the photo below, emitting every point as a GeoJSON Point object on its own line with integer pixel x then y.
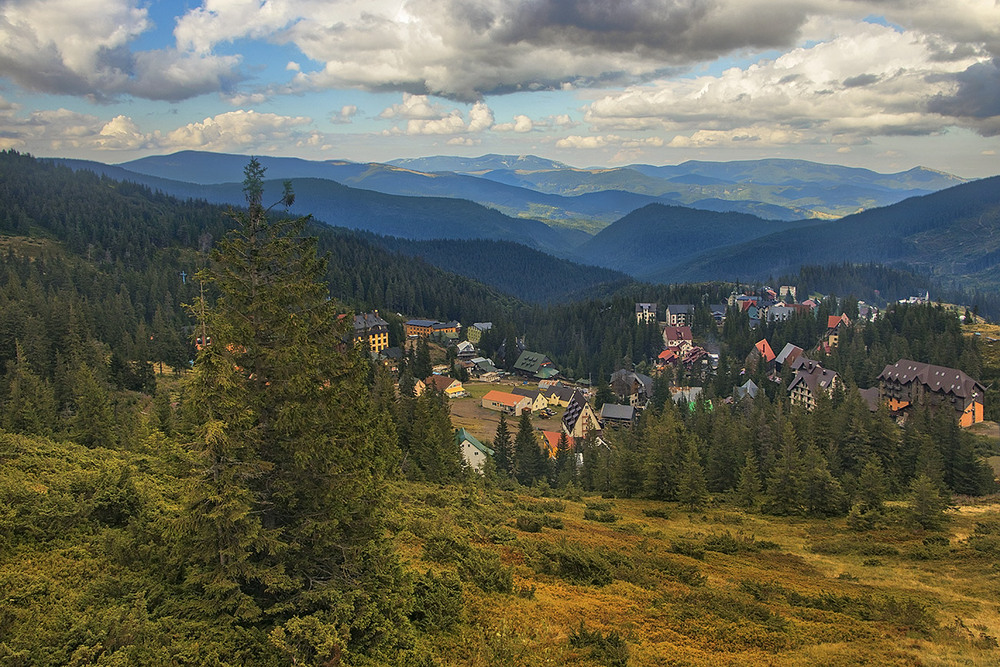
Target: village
{"type": "Point", "coordinates": [478, 391]}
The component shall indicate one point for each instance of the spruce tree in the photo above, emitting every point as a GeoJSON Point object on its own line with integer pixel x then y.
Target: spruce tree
{"type": "Point", "coordinates": [748, 487]}
{"type": "Point", "coordinates": [503, 448]}
{"type": "Point", "coordinates": [288, 516]}
{"type": "Point", "coordinates": [528, 465]}
{"type": "Point", "coordinates": [691, 486]}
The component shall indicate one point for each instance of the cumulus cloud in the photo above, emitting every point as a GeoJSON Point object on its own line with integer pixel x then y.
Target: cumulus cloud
{"type": "Point", "coordinates": [82, 47]}
{"type": "Point", "coordinates": [605, 141]}
{"type": "Point", "coordinates": [344, 116]}
{"type": "Point", "coordinates": [520, 124]}
{"type": "Point", "coordinates": [70, 132]}
{"type": "Point", "coordinates": [870, 80]}
{"type": "Point", "coordinates": [424, 117]}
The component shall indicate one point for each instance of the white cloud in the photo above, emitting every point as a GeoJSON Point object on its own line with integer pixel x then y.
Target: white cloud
{"type": "Point", "coordinates": [236, 129]}
{"type": "Point", "coordinates": [521, 124]}
{"type": "Point", "coordinates": [423, 117]}
{"type": "Point", "coordinates": [871, 80]}
{"type": "Point", "coordinates": [344, 116]}
{"type": "Point", "coordinates": [464, 141]}
{"type": "Point", "coordinates": [605, 141]}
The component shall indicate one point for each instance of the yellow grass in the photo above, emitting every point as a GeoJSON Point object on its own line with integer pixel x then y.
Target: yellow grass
{"type": "Point", "coordinates": [668, 622]}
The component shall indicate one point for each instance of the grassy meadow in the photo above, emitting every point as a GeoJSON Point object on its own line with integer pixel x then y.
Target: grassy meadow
{"type": "Point", "coordinates": [656, 584]}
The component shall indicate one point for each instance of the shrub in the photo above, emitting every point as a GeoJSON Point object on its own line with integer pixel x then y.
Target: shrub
{"type": "Point", "coordinates": [656, 513]}
{"type": "Point", "coordinates": [600, 506]}
{"type": "Point", "coordinates": [610, 649]}
{"type": "Point", "coordinates": [552, 522]}
{"type": "Point", "coordinates": [572, 562]}
{"type": "Point", "coordinates": [529, 524]}
{"type": "Point", "coordinates": [442, 548]}
{"type": "Point", "coordinates": [437, 601]}
{"type": "Point", "coordinates": [688, 548]}
{"type": "Point", "coordinates": [484, 569]}
{"type": "Point", "coordinates": [603, 517]}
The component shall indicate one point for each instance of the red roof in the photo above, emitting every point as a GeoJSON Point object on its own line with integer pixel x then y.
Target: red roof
{"type": "Point", "coordinates": [677, 333]}
{"type": "Point", "coordinates": [834, 321]}
{"type": "Point", "coordinates": [550, 439]}
{"type": "Point", "coordinates": [667, 355]}
{"type": "Point", "coordinates": [765, 350]}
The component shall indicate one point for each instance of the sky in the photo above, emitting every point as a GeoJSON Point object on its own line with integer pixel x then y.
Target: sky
{"type": "Point", "coordinates": [887, 84]}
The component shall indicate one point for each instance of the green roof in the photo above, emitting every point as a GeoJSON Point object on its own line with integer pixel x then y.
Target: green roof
{"type": "Point", "coordinates": [462, 435]}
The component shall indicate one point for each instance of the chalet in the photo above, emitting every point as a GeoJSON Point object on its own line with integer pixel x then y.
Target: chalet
{"type": "Point", "coordinates": [474, 453]}
{"type": "Point", "coordinates": [686, 396]}
{"type": "Point", "coordinates": [550, 441]}
{"type": "Point", "coordinates": [372, 331]}
{"type": "Point", "coordinates": [694, 355]}
{"type": "Point", "coordinates": [645, 313]}
{"type": "Point", "coordinates": [559, 395]}
{"type": "Point", "coordinates": [465, 350]}
{"type": "Point", "coordinates": [476, 331]}
{"type": "Point", "coordinates": [781, 312]}
{"type": "Point", "coordinates": [545, 385]}
{"type": "Point", "coordinates": [579, 418]}
{"type": "Point", "coordinates": [679, 315]}
{"type": "Point", "coordinates": [787, 291]}
{"type": "Point", "coordinates": [788, 355]}
{"type": "Point", "coordinates": [810, 379]}
{"type": "Point", "coordinates": [535, 365]}
{"type": "Point", "coordinates": [419, 387]}
{"type": "Point", "coordinates": [538, 400]}
{"type": "Point", "coordinates": [484, 369]}
{"type": "Point", "coordinates": [501, 401]}
{"type": "Point", "coordinates": [761, 354]}
{"type": "Point", "coordinates": [834, 326]}
{"type": "Point", "coordinates": [747, 389]}
{"type": "Point", "coordinates": [665, 358]}
{"type": "Point", "coordinates": [616, 416]}
{"type": "Point", "coordinates": [678, 338]}
{"type": "Point", "coordinates": [718, 311]}
{"type": "Point", "coordinates": [632, 388]}
{"type": "Point", "coordinates": [419, 328]}
{"type": "Point", "coordinates": [911, 383]}
{"type": "Point", "coordinates": [448, 386]}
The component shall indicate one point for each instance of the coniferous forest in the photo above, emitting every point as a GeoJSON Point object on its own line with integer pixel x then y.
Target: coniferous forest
{"type": "Point", "coordinates": [198, 467]}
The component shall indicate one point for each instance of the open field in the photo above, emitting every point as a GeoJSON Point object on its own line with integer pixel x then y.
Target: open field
{"type": "Point", "coordinates": [713, 587]}
{"type": "Point", "coordinates": [469, 413]}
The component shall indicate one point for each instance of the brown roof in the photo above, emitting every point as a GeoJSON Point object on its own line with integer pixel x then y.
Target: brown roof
{"type": "Point", "coordinates": [439, 382]}
{"type": "Point", "coordinates": [814, 376]}
{"type": "Point", "coordinates": [939, 379]}
{"type": "Point", "coordinates": [677, 333]}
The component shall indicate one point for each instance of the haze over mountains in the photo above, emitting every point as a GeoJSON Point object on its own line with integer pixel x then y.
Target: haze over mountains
{"type": "Point", "coordinates": [629, 219]}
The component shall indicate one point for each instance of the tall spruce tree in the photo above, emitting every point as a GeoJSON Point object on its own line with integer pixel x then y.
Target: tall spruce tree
{"type": "Point", "coordinates": [503, 448]}
{"type": "Point", "coordinates": [288, 513]}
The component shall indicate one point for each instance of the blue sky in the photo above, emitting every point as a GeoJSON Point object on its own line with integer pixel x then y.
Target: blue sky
{"type": "Point", "coordinates": [886, 85]}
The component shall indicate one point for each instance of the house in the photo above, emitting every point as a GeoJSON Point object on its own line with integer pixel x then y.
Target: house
{"type": "Point", "coordinates": [679, 315]}
{"type": "Point", "coordinates": [391, 356]}
{"type": "Point", "coordinates": [372, 331]}
{"type": "Point", "coordinates": [834, 326]}
{"type": "Point", "coordinates": [484, 369]}
{"type": "Point", "coordinates": [579, 417]}
{"type": "Point", "coordinates": [678, 338]}
{"type": "Point", "coordinates": [545, 385]}
{"type": "Point", "coordinates": [632, 388]}
{"type": "Point", "coordinates": [535, 365]}
{"type": "Point", "coordinates": [501, 401]}
{"type": "Point", "coordinates": [787, 290]}
{"type": "Point", "coordinates": [645, 313]}
{"type": "Point", "coordinates": [718, 311]}
{"type": "Point", "coordinates": [616, 416]}
{"type": "Point", "coordinates": [465, 350]}
{"type": "Point", "coordinates": [417, 328]}
{"type": "Point", "coordinates": [550, 441]}
{"type": "Point", "coordinates": [666, 357]}
{"type": "Point", "coordinates": [810, 379]}
{"type": "Point", "coordinates": [559, 395]}
{"type": "Point", "coordinates": [476, 331]}
{"type": "Point", "coordinates": [474, 453]}
{"type": "Point", "coordinates": [761, 354]}
{"type": "Point", "coordinates": [907, 383]}
{"type": "Point", "coordinates": [686, 396]}
{"type": "Point", "coordinates": [538, 401]}
{"type": "Point", "coordinates": [419, 387]}
{"type": "Point", "coordinates": [781, 312]}
{"type": "Point", "coordinates": [448, 386]}
{"type": "Point", "coordinates": [748, 388]}
{"type": "Point", "coordinates": [694, 355]}
{"type": "Point", "coordinates": [788, 355]}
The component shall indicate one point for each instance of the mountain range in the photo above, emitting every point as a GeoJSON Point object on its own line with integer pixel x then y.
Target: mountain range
{"type": "Point", "coordinates": [947, 232]}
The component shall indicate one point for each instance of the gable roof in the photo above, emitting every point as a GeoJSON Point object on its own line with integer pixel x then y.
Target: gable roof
{"type": "Point", "coordinates": [813, 376]}
{"type": "Point", "coordinates": [368, 321]}
{"type": "Point", "coordinates": [789, 353]}
{"type": "Point", "coordinates": [615, 411]}
{"type": "Point", "coordinates": [834, 321]}
{"type": "Point", "coordinates": [421, 323]}
{"type": "Point", "coordinates": [461, 436]}
{"type": "Point", "coordinates": [561, 392]}
{"type": "Point", "coordinates": [439, 382]}
{"type": "Point", "coordinates": [765, 350]}
{"type": "Point", "coordinates": [748, 388]}
{"type": "Point", "coordinates": [530, 362]}
{"type": "Point", "coordinates": [667, 355]}
{"type": "Point", "coordinates": [939, 379]}
{"type": "Point", "coordinates": [644, 307]}
{"type": "Point", "coordinates": [510, 400]}
{"type": "Point", "coordinates": [530, 393]}
{"type": "Point", "coordinates": [677, 309]}
{"type": "Point", "coordinates": [576, 406]}
{"type": "Point", "coordinates": [677, 333]}
{"type": "Point", "coordinates": [550, 440]}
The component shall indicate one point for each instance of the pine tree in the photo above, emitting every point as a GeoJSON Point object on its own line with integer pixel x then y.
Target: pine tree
{"type": "Point", "coordinates": [503, 448]}
{"type": "Point", "coordinates": [287, 518]}
{"type": "Point", "coordinates": [527, 453]}
{"type": "Point", "coordinates": [748, 487]}
{"type": "Point", "coordinates": [565, 467]}
{"type": "Point", "coordinates": [926, 503]}
{"type": "Point", "coordinates": [691, 487]}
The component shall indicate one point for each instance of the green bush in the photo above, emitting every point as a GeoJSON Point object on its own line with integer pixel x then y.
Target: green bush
{"type": "Point", "coordinates": [552, 522]}
{"type": "Point", "coordinates": [528, 524]}
{"type": "Point", "coordinates": [602, 517]}
{"type": "Point", "coordinates": [437, 601]}
{"type": "Point", "coordinates": [600, 506]}
{"type": "Point", "coordinates": [656, 513]}
{"type": "Point", "coordinates": [610, 649]}
{"type": "Point", "coordinates": [572, 562]}
{"type": "Point", "coordinates": [484, 569]}
{"type": "Point", "coordinates": [442, 548]}
{"type": "Point", "coordinates": [688, 548]}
